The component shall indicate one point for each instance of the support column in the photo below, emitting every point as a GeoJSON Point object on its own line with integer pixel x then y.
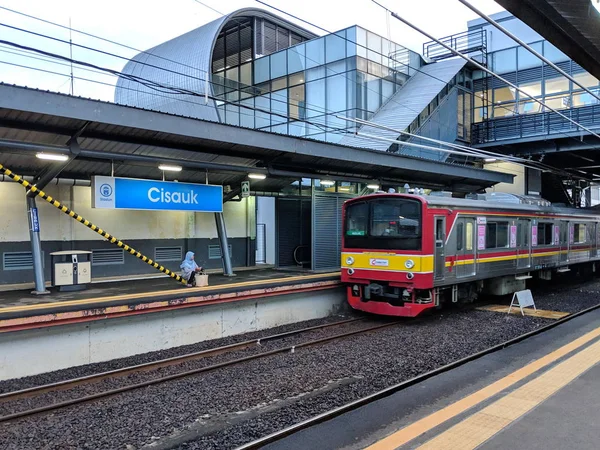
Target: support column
{"type": "Point", "coordinates": [36, 247]}
{"type": "Point", "coordinates": [222, 233]}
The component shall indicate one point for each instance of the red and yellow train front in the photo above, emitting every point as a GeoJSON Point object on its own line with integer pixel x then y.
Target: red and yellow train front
{"type": "Point", "coordinates": [386, 264]}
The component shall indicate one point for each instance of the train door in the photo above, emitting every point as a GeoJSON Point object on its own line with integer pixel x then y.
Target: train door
{"type": "Point", "coordinates": [465, 247]}
{"type": "Point", "coordinates": [523, 244]}
{"type": "Point", "coordinates": [440, 247]}
{"type": "Point", "coordinates": [564, 241]}
{"type": "Point", "coordinates": [593, 234]}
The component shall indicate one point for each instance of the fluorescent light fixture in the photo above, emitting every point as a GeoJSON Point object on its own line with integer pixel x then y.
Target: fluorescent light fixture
{"type": "Point", "coordinates": [170, 168]}
{"type": "Point", "coordinates": [257, 176]}
{"type": "Point", "coordinates": [490, 159]}
{"type": "Point", "coordinates": [373, 186]}
{"type": "Point", "coordinates": [596, 4]}
{"type": "Point", "coordinates": [52, 156]}
{"type": "Point", "coordinates": [344, 188]}
{"type": "Point", "coordinates": [327, 183]}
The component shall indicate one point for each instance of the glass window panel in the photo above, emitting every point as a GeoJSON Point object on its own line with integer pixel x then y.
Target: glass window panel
{"type": "Point", "coordinates": [362, 64]}
{"type": "Point", "coordinates": [279, 83]}
{"type": "Point", "coordinates": [478, 117]}
{"type": "Point", "coordinates": [373, 87]}
{"type": "Point", "coordinates": [336, 67]}
{"type": "Point", "coordinates": [351, 63]}
{"type": "Point", "coordinates": [505, 110]}
{"type": "Point", "coordinates": [297, 102]}
{"type": "Point", "coordinates": [529, 107]}
{"type": "Point", "coordinates": [558, 101]}
{"type": "Point", "coordinates": [278, 64]}
{"type": "Point", "coordinates": [505, 60]}
{"type": "Point", "coordinates": [336, 85]}
{"type": "Point", "coordinates": [375, 69]}
{"type": "Point", "coordinates": [585, 99]}
{"type": "Point", "coordinates": [374, 45]}
{"type": "Point", "coordinates": [585, 79]}
{"type": "Point", "coordinates": [232, 115]}
{"type": "Point", "coordinates": [281, 128]}
{"type": "Point", "coordinates": [262, 88]}
{"type": "Point", "coordinates": [480, 100]}
{"type": "Point", "coordinates": [247, 115]}
{"type": "Point", "coordinates": [351, 41]}
{"type": "Point", "coordinates": [553, 54]}
{"type": "Point", "coordinates": [297, 128]}
{"type": "Point", "coordinates": [296, 78]}
{"type": "Point", "coordinates": [315, 53]}
{"type": "Point", "coordinates": [262, 69]}
{"type": "Point", "coordinates": [335, 48]}
{"type": "Point", "coordinates": [351, 88]}
{"type": "Point", "coordinates": [232, 74]}
{"type": "Point", "coordinates": [263, 103]}
{"type": "Point", "coordinates": [527, 60]}
{"type": "Point", "coordinates": [555, 85]}
{"type": "Point", "coordinates": [296, 58]}
{"type": "Point", "coordinates": [534, 89]}
{"type": "Point", "coordinates": [232, 95]}
{"type": "Point", "coordinates": [279, 105]}
{"type": "Point", "coordinates": [505, 94]}
{"type": "Point", "coordinates": [361, 48]}
{"type": "Point", "coordinates": [316, 73]}
{"type": "Point", "coordinates": [246, 74]}
{"type": "Point", "coordinates": [386, 49]}
{"type": "Point", "coordinates": [315, 97]}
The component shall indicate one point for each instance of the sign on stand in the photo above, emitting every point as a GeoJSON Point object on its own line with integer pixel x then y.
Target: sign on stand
{"type": "Point", "coordinates": [522, 299]}
{"type": "Point", "coordinates": [245, 189]}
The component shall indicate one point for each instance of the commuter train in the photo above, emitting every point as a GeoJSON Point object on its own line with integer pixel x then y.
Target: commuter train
{"type": "Point", "coordinates": [403, 254]}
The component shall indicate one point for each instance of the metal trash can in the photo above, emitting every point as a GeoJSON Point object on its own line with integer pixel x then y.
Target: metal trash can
{"type": "Point", "coordinates": [71, 270]}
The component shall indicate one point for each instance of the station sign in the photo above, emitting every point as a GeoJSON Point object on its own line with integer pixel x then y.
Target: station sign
{"type": "Point", "coordinates": [131, 193]}
{"type": "Point", "coordinates": [245, 189]}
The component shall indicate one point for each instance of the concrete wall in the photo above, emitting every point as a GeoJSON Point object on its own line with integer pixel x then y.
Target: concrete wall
{"type": "Point", "coordinates": [519, 183]}
{"type": "Point", "coordinates": [144, 230]}
{"type": "Point", "coordinates": [60, 347]}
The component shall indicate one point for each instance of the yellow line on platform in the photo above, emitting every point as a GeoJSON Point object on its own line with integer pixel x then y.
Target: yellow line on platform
{"type": "Point", "coordinates": [481, 426]}
{"type": "Point", "coordinates": [545, 314]}
{"type": "Point", "coordinates": [190, 292]}
{"type": "Point", "coordinates": [437, 418]}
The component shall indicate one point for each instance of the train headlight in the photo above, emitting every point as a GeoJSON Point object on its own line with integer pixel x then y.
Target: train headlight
{"type": "Point", "coordinates": [349, 260]}
{"type": "Point", "coordinates": [409, 264]}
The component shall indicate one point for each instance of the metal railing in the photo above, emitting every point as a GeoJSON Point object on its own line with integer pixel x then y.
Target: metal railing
{"type": "Point", "coordinates": [539, 124]}
{"type": "Point", "coordinates": [465, 42]}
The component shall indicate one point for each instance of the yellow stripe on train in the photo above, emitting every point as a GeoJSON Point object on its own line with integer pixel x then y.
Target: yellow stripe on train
{"type": "Point", "coordinates": [388, 261]}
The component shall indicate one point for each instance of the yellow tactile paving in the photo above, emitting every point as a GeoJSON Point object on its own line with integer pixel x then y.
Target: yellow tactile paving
{"type": "Point", "coordinates": [435, 419]}
{"type": "Point", "coordinates": [481, 426]}
{"type": "Point", "coordinates": [527, 311]}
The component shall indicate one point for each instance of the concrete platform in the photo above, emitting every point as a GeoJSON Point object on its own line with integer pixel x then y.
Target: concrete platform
{"type": "Point", "coordinates": [22, 310]}
{"type": "Point", "coordinates": [542, 393]}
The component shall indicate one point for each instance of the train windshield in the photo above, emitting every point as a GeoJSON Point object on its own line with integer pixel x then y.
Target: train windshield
{"type": "Point", "coordinates": [385, 223]}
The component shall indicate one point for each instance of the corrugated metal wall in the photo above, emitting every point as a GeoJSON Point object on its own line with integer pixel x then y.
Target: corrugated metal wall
{"type": "Point", "coordinates": [293, 230]}
{"type": "Point", "coordinates": [327, 230]}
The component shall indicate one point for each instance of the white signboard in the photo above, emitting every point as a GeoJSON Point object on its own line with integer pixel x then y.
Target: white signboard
{"type": "Point", "coordinates": [379, 262]}
{"type": "Point", "coordinates": [522, 299]}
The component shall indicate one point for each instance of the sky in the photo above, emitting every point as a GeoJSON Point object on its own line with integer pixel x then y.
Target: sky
{"type": "Point", "coordinates": [142, 24]}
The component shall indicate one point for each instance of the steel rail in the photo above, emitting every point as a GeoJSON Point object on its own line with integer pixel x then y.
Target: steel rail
{"type": "Point", "coordinates": [112, 392]}
{"type": "Point", "coordinates": [124, 371]}
{"type": "Point", "coordinates": [281, 434]}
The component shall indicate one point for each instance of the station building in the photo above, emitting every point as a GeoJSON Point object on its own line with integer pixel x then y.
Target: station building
{"type": "Point", "coordinates": [255, 70]}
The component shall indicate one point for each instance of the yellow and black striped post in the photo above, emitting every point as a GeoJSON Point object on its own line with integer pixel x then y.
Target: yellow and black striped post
{"type": "Point", "coordinates": [88, 224]}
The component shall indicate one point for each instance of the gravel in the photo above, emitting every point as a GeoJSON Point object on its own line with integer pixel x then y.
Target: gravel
{"type": "Point", "coordinates": [250, 400]}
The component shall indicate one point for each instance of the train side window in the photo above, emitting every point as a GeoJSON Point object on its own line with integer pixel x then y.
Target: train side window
{"type": "Point", "coordinates": [544, 233]}
{"type": "Point", "coordinates": [496, 235]}
{"type": "Point", "coordinates": [579, 232]}
{"type": "Point", "coordinates": [469, 236]}
{"type": "Point", "coordinates": [460, 236]}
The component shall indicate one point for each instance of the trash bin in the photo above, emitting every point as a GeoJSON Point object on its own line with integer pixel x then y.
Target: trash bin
{"type": "Point", "coordinates": [71, 270]}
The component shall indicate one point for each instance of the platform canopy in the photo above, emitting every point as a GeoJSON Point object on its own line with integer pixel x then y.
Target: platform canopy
{"type": "Point", "coordinates": [134, 141]}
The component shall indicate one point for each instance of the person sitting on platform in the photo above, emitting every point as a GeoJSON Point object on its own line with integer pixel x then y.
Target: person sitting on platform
{"type": "Point", "coordinates": [189, 268]}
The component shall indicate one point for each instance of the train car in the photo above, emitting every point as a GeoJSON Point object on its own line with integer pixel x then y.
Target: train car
{"type": "Point", "coordinates": [403, 254]}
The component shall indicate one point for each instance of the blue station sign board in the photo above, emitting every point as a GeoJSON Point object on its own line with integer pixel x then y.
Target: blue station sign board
{"type": "Point", "coordinates": [130, 193]}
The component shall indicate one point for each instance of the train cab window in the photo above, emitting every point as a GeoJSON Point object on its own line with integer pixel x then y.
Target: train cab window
{"type": "Point", "coordinates": [579, 233]}
{"type": "Point", "coordinates": [496, 235]}
{"type": "Point", "coordinates": [357, 219]}
{"type": "Point", "coordinates": [460, 236]}
{"type": "Point", "coordinates": [544, 234]}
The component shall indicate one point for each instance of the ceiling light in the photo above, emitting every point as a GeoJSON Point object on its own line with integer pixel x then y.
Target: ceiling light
{"type": "Point", "coordinates": [257, 176]}
{"type": "Point", "coordinates": [327, 183]}
{"type": "Point", "coordinates": [52, 156]}
{"type": "Point", "coordinates": [170, 168]}
{"type": "Point", "coordinates": [596, 4]}
{"type": "Point", "coordinates": [373, 186]}
{"type": "Point", "coordinates": [343, 188]}
{"type": "Point", "coordinates": [490, 159]}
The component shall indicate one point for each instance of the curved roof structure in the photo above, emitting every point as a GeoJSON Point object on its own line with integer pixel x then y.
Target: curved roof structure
{"type": "Point", "coordinates": [183, 63]}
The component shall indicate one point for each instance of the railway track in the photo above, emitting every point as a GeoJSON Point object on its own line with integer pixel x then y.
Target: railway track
{"type": "Point", "coordinates": [281, 434]}
{"type": "Point", "coordinates": [154, 365]}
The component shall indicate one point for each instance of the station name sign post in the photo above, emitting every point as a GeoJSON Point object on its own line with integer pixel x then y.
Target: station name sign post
{"type": "Point", "coordinates": [130, 193]}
